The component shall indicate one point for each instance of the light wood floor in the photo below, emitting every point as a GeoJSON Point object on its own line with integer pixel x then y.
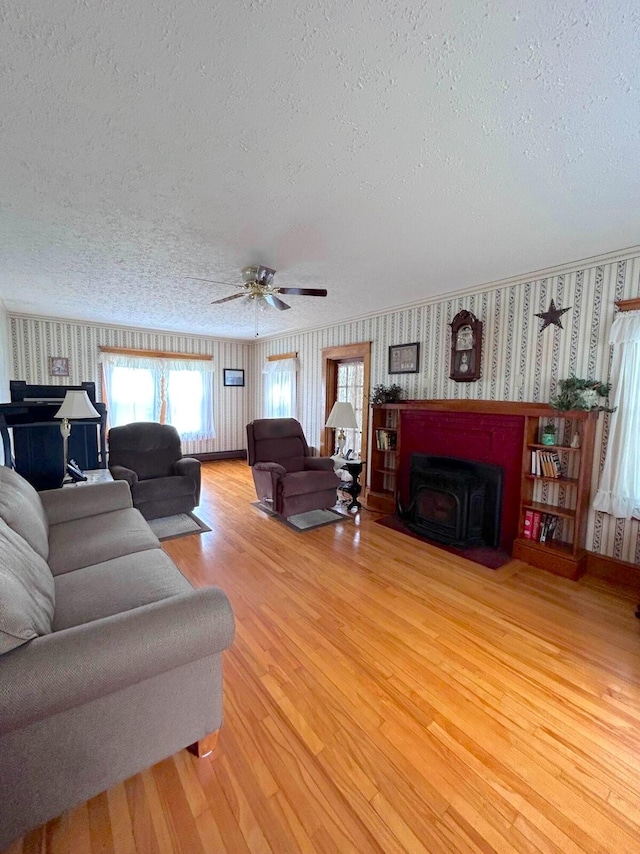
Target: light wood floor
{"type": "Point", "coordinates": [384, 696]}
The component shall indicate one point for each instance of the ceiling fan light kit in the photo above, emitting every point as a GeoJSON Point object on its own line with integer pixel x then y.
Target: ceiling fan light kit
{"type": "Point", "coordinates": [256, 288]}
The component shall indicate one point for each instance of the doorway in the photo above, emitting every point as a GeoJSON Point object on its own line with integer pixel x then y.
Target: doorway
{"type": "Point", "coordinates": [346, 372]}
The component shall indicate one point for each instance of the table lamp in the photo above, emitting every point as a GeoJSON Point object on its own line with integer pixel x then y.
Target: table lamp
{"type": "Point", "coordinates": [75, 406]}
{"type": "Point", "coordinates": [340, 418]}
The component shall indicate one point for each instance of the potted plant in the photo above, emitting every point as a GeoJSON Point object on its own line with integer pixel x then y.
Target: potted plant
{"type": "Point", "coordinates": [385, 394]}
{"type": "Point", "coordinates": [581, 394]}
{"type": "Point", "coordinates": [549, 434]}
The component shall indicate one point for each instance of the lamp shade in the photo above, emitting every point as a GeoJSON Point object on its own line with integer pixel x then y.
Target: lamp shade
{"type": "Point", "coordinates": [342, 415]}
{"type": "Point", "coordinates": [76, 404]}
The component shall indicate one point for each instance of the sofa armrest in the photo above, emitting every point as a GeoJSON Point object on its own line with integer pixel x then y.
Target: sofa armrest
{"type": "Point", "coordinates": [123, 473]}
{"type": "Point", "coordinates": [189, 467]}
{"type": "Point", "coordinates": [318, 464]}
{"type": "Point", "coordinates": [274, 469]}
{"type": "Point", "coordinates": [68, 668]}
{"type": "Point", "coordinates": [65, 505]}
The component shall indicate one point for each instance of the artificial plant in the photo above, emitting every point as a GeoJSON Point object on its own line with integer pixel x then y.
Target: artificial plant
{"type": "Point", "coordinates": [582, 394]}
{"type": "Point", "coordinates": [385, 394]}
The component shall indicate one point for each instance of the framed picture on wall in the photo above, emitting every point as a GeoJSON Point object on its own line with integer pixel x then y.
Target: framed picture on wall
{"type": "Point", "coordinates": [58, 366]}
{"type": "Point", "coordinates": [404, 358]}
{"type": "Point", "coordinates": [233, 377]}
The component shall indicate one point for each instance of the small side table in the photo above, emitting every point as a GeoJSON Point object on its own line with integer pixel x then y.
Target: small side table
{"type": "Point", "coordinates": [354, 467]}
{"type": "Point", "coordinates": [93, 476]}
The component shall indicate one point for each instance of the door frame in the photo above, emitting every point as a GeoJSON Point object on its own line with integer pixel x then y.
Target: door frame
{"type": "Point", "coordinates": [331, 356]}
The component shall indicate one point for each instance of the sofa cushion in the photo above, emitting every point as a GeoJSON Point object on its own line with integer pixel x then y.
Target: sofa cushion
{"type": "Point", "coordinates": [115, 586]}
{"type": "Point", "coordinates": [85, 542]}
{"type": "Point", "coordinates": [26, 591]}
{"type": "Point", "coordinates": [21, 509]}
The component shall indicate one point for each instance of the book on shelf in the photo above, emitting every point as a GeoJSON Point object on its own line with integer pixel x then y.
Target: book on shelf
{"type": "Point", "coordinates": [535, 525]}
{"type": "Point", "coordinates": [546, 464]}
{"type": "Point", "coordinates": [385, 439]}
{"type": "Point", "coordinates": [548, 526]}
{"type": "Point", "coordinates": [528, 523]}
{"type": "Point", "coordinates": [539, 527]}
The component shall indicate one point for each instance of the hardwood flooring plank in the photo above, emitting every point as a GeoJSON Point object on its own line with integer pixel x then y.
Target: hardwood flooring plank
{"type": "Point", "coordinates": [386, 697]}
{"type": "Point", "coordinates": [141, 823]}
{"type": "Point", "coordinates": [176, 808]}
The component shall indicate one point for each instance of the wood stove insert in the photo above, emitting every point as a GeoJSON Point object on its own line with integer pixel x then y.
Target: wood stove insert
{"type": "Point", "coordinates": [455, 501]}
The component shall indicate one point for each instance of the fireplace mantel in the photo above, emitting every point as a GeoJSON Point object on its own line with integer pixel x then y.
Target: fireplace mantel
{"type": "Point", "coordinates": [487, 407]}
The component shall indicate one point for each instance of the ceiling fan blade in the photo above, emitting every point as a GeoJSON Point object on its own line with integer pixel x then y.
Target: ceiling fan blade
{"type": "Point", "coordinates": [212, 281]}
{"type": "Point", "coordinates": [275, 302]}
{"type": "Point", "coordinates": [303, 292]}
{"type": "Point", "coordinates": [227, 299]}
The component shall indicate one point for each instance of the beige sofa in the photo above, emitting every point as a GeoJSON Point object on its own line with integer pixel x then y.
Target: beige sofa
{"type": "Point", "coordinates": [109, 659]}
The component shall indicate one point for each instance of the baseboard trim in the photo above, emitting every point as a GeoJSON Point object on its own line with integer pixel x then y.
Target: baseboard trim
{"type": "Point", "coordinates": [220, 455]}
{"type": "Point", "coordinates": [613, 569]}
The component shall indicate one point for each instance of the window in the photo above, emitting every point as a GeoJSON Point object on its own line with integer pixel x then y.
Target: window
{"type": "Point", "coordinates": [350, 388]}
{"type": "Point", "coordinates": [280, 379]}
{"type": "Point", "coordinates": [171, 391]}
{"type": "Point", "coordinates": [619, 492]}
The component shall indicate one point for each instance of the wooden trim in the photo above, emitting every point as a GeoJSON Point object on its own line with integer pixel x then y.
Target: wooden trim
{"type": "Point", "coordinates": [613, 569]}
{"type": "Point", "coordinates": [281, 356]}
{"type": "Point", "coordinates": [495, 407]}
{"type": "Point", "coordinates": [628, 304]}
{"type": "Point", "coordinates": [330, 356]}
{"type": "Point", "coordinates": [154, 354]}
{"type": "Point", "coordinates": [211, 456]}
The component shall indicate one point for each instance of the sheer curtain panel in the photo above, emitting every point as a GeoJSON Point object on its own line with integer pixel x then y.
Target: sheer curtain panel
{"type": "Point", "coordinates": [280, 380]}
{"type": "Point", "coordinates": [619, 491]}
{"type": "Point", "coordinates": [170, 391]}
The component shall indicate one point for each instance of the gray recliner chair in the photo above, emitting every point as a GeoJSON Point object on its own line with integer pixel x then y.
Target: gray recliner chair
{"type": "Point", "coordinates": [149, 457]}
{"type": "Point", "coordinates": [287, 478]}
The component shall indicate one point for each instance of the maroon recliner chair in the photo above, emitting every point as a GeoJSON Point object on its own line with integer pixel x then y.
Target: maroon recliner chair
{"type": "Point", "coordinates": [288, 480]}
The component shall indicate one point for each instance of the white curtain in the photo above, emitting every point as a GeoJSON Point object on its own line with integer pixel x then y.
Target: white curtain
{"type": "Point", "coordinates": [171, 391]}
{"type": "Point", "coordinates": [619, 492]}
{"type": "Point", "coordinates": [280, 380]}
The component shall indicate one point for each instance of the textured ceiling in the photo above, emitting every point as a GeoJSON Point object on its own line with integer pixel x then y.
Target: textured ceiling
{"type": "Point", "coordinates": [387, 151]}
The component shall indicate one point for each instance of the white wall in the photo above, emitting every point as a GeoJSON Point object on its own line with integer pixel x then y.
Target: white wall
{"type": "Point", "coordinates": [518, 361]}
{"type": "Point", "coordinates": [34, 340]}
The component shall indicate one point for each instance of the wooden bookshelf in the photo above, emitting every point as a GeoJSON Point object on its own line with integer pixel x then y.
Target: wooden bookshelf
{"type": "Point", "coordinates": [566, 497]}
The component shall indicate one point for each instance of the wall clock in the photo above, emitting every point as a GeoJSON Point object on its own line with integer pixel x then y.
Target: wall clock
{"type": "Point", "coordinates": [466, 347]}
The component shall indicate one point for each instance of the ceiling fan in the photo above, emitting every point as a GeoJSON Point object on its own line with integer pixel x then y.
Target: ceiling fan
{"type": "Point", "coordinates": [256, 286]}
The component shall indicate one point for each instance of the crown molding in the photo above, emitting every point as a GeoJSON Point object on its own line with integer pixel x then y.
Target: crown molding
{"type": "Point", "coordinates": [521, 279]}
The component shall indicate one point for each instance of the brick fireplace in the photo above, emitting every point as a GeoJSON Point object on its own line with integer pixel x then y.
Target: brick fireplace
{"type": "Point", "coordinates": [457, 502]}
{"type": "Point", "coordinates": [493, 438]}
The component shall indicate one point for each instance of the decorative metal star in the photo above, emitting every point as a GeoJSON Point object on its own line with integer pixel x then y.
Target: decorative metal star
{"type": "Point", "coordinates": [552, 315]}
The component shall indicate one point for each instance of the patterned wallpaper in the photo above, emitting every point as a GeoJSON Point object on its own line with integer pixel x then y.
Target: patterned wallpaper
{"type": "Point", "coordinates": [518, 362]}
{"type": "Point", "coordinates": [33, 340]}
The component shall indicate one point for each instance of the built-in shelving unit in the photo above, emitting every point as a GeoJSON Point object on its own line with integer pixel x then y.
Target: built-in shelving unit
{"type": "Point", "coordinates": [384, 456]}
{"type": "Point", "coordinates": [566, 497]}
{"type": "Point", "coordinates": [562, 502]}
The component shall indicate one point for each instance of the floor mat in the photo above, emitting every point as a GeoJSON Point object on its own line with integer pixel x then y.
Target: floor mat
{"type": "Point", "coordinates": [307, 521]}
{"type": "Point", "coordinates": [170, 527]}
